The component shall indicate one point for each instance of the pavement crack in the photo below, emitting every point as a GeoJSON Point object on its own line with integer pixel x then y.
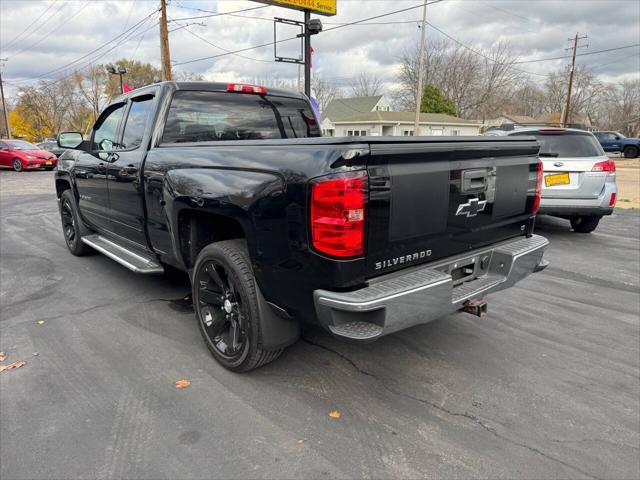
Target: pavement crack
{"type": "Point", "coordinates": [440, 408]}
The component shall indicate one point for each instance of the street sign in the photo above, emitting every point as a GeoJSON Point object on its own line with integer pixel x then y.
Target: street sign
{"type": "Point", "coordinates": [321, 7]}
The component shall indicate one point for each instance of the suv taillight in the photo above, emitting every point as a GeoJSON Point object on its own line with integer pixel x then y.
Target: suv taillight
{"type": "Point", "coordinates": [536, 200]}
{"type": "Point", "coordinates": [338, 214]}
{"type": "Point", "coordinates": [606, 166]}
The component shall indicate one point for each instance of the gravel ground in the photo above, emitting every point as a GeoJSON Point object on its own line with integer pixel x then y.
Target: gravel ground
{"type": "Point", "coordinates": [546, 386]}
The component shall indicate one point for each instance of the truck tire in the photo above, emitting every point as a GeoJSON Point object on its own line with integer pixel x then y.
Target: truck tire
{"type": "Point", "coordinates": [72, 227]}
{"type": "Point", "coordinates": [584, 224]}
{"type": "Point", "coordinates": [630, 152]}
{"type": "Point", "coordinates": [226, 306]}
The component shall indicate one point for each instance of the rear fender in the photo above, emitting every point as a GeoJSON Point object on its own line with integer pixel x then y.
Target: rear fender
{"type": "Point", "coordinates": [242, 195]}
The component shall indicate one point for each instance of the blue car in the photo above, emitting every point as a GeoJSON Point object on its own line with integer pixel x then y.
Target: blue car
{"type": "Point", "coordinates": [617, 142]}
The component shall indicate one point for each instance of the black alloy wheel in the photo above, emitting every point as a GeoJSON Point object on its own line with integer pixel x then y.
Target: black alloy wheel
{"type": "Point", "coordinates": [68, 223]}
{"type": "Point", "coordinates": [225, 300]}
{"type": "Point", "coordinates": [220, 308]}
{"type": "Point", "coordinates": [72, 227]}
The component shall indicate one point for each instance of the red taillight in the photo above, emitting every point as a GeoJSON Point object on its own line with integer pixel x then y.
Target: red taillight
{"type": "Point", "coordinates": [536, 200]}
{"type": "Point", "coordinates": [606, 166]}
{"type": "Point", "coordinates": [612, 200]}
{"type": "Point", "coordinates": [338, 214]}
{"type": "Point", "coordinates": [244, 88]}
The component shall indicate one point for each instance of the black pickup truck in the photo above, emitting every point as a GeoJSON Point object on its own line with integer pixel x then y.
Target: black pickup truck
{"type": "Point", "coordinates": [276, 226]}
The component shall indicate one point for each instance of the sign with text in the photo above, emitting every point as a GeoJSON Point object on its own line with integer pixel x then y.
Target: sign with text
{"type": "Point", "coordinates": [321, 7]}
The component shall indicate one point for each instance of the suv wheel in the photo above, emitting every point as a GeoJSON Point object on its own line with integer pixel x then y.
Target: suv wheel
{"type": "Point", "coordinates": [584, 224]}
{"type": "Point", "coordinates": [630, 152]}
{"type": "Point", "coordinates": [226, 306]}
{"type": "Point", "coordinates": [72, 227]}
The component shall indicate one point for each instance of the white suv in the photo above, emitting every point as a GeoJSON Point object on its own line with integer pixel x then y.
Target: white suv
{"type": "Point", "coordinates": [579, 179]}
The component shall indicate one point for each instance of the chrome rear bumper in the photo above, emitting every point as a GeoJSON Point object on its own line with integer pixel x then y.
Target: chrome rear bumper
{"type": "Point", "coordinates": [401, 300]}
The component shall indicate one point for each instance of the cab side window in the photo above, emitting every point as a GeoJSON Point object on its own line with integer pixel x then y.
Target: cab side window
{"type": "Point", "coordinates": [137, 121]}
{"type": "Point", "coordinates": [106, 131]}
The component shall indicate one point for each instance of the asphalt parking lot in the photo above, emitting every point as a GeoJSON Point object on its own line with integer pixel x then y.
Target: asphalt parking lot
{"type": "Point", "coordinates": [546, 386]}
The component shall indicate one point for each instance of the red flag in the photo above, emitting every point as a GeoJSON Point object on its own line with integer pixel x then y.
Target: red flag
{"type": "Point", "coordinates": [311, 58]}
{"type": "Point", "coordinates": [126, 88]}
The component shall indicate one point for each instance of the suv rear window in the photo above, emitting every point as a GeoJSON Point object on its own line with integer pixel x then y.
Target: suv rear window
{"type": "Point", "coordinates": [567, 144]}
{"type": "Point", "coordinates": [196, 116]}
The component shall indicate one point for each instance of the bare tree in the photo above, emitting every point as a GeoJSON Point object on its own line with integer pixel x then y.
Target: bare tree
{"type": "Point", "coordinates": [473, 82]}
{"type": "Point", "coordinates": [91, 84]}
{"type": "Point", "coordinates": [324, 91]}
{"type": "Point", "coordinates": [366, 85]}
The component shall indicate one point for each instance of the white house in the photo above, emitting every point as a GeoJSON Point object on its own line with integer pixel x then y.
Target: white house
{"type": "Point", "coordinates": [373, 116]}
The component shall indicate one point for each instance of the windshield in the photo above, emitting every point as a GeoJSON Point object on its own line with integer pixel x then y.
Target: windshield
{"type": "Point", "coordinates": [22, 145]}
{"type": "Point", "coordinates": [214, 116]}
{"type": "Point", "coordinates": [567, 144]}
{"type": "Point", "coordinates": [618, 134]}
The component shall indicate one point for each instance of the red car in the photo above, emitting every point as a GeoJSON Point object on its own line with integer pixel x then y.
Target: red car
{"type": "Point", "coordinates": [21, 155]}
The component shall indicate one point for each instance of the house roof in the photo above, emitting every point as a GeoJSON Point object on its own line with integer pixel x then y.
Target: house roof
{"type": "Point", "coordinates": [341, 108]}
{"type": "Point", "coordinates": [406, 117]}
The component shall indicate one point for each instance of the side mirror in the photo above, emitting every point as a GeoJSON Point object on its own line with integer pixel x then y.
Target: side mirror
{"type": "Point", "coordinates": [69, 140]}
{"type": "Point", "coordinates": [617, 137]}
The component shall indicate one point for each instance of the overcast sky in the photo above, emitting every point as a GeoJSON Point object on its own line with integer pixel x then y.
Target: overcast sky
{"type": "Point", "coordinates": [40, 37]}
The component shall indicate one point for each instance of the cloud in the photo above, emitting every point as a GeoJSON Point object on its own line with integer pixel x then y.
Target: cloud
{"type": "Point", "coordinates": [67, 31]}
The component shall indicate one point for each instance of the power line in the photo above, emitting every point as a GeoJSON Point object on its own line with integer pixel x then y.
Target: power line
{"type": "Point", "coordinates": [215, 14]}
{"type": "Point", "coordinates": [54, 30]}
{"type": "Point", "coordinates": [64, 67]}
{"type": "Point", "coordinates": [579, 54]}
{"type": "Point", "coordinates": [210, 57]}
{"type": "Point", "coordinates": [493, 60]}
{"type": "Point", "coordinates": [184, 27]}
{"type": "Point", "coordinates": [11, 42]}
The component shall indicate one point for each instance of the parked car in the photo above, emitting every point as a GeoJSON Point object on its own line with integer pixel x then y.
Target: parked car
{"type": "Point", "coordinates": [51, 146]}
{"type": "Point", "coordinates": [579, 178]}
{"type": "Point", "coordinates": [276, 225]}
{"type": "Point", "coordinates": [617, 142]}
{"type": "Point", "coordinates": [21, 155]}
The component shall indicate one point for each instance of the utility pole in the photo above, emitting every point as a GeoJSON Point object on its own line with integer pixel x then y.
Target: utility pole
{"type": "Point", "coordinates": [416, 124]}
{"type": "Point", "coordinates": [164, 42]}
{"type": "Point", "coordinates": [4, 103]}
{"type": "Point", "coordinates": [566, 115]}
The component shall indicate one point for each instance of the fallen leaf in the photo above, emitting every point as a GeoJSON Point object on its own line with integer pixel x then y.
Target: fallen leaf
{"type": "Point", "coordinates": [40, 322]}
{"type": "Point", "coordinates": [35, 354]}
{"type": "Point", "coordinates": [13, 365]}
{"type": "Point", "coordinates": [182, 383]}
{"type": "Point", "coordinates": [335, 414]}
{"type": "Point", "coordinates": [2, 356]}
{"type": "Point", "coordinates": [301, 441]}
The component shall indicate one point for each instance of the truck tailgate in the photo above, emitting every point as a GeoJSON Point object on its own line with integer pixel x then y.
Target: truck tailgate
{"type": "Point", "coordinates": [430, 199]}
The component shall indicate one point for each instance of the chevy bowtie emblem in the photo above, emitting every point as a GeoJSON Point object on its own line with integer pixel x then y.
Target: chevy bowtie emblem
{"type": "Point", "coordinates": [471, 208]}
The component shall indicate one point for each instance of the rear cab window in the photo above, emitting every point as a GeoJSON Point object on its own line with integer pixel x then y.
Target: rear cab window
{"type": "Point", "coordinates": [566, 144]}
{"type": "Point", "coordinates": [199, 116]}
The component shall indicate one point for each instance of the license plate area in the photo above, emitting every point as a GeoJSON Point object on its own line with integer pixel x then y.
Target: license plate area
{"type": "Point", "coordinates": [467, 269]}
{"type": "Point", "coordinates": [557, 179]}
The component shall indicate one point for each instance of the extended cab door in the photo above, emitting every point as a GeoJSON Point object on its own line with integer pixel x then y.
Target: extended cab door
{"type": "Point", "coordinates": [5, 155]}
{"type": "Point", "coordinates": [90, 169]}
{"type": "Point", "coordinates": [124, 181]}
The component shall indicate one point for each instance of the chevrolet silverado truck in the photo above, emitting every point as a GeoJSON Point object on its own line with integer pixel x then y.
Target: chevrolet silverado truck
{"type": "Point", "coordinates": [276, 225]}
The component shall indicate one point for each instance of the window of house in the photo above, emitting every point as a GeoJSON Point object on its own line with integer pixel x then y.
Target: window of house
{"type": "Point", "coordinates": [436, 132]}
{"type": "Point", "coordinates": [407, 133]}
{"type": "Point", "coordinates": [455, 133]}
{"type": "Point", "coordinates": [356, 133]}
